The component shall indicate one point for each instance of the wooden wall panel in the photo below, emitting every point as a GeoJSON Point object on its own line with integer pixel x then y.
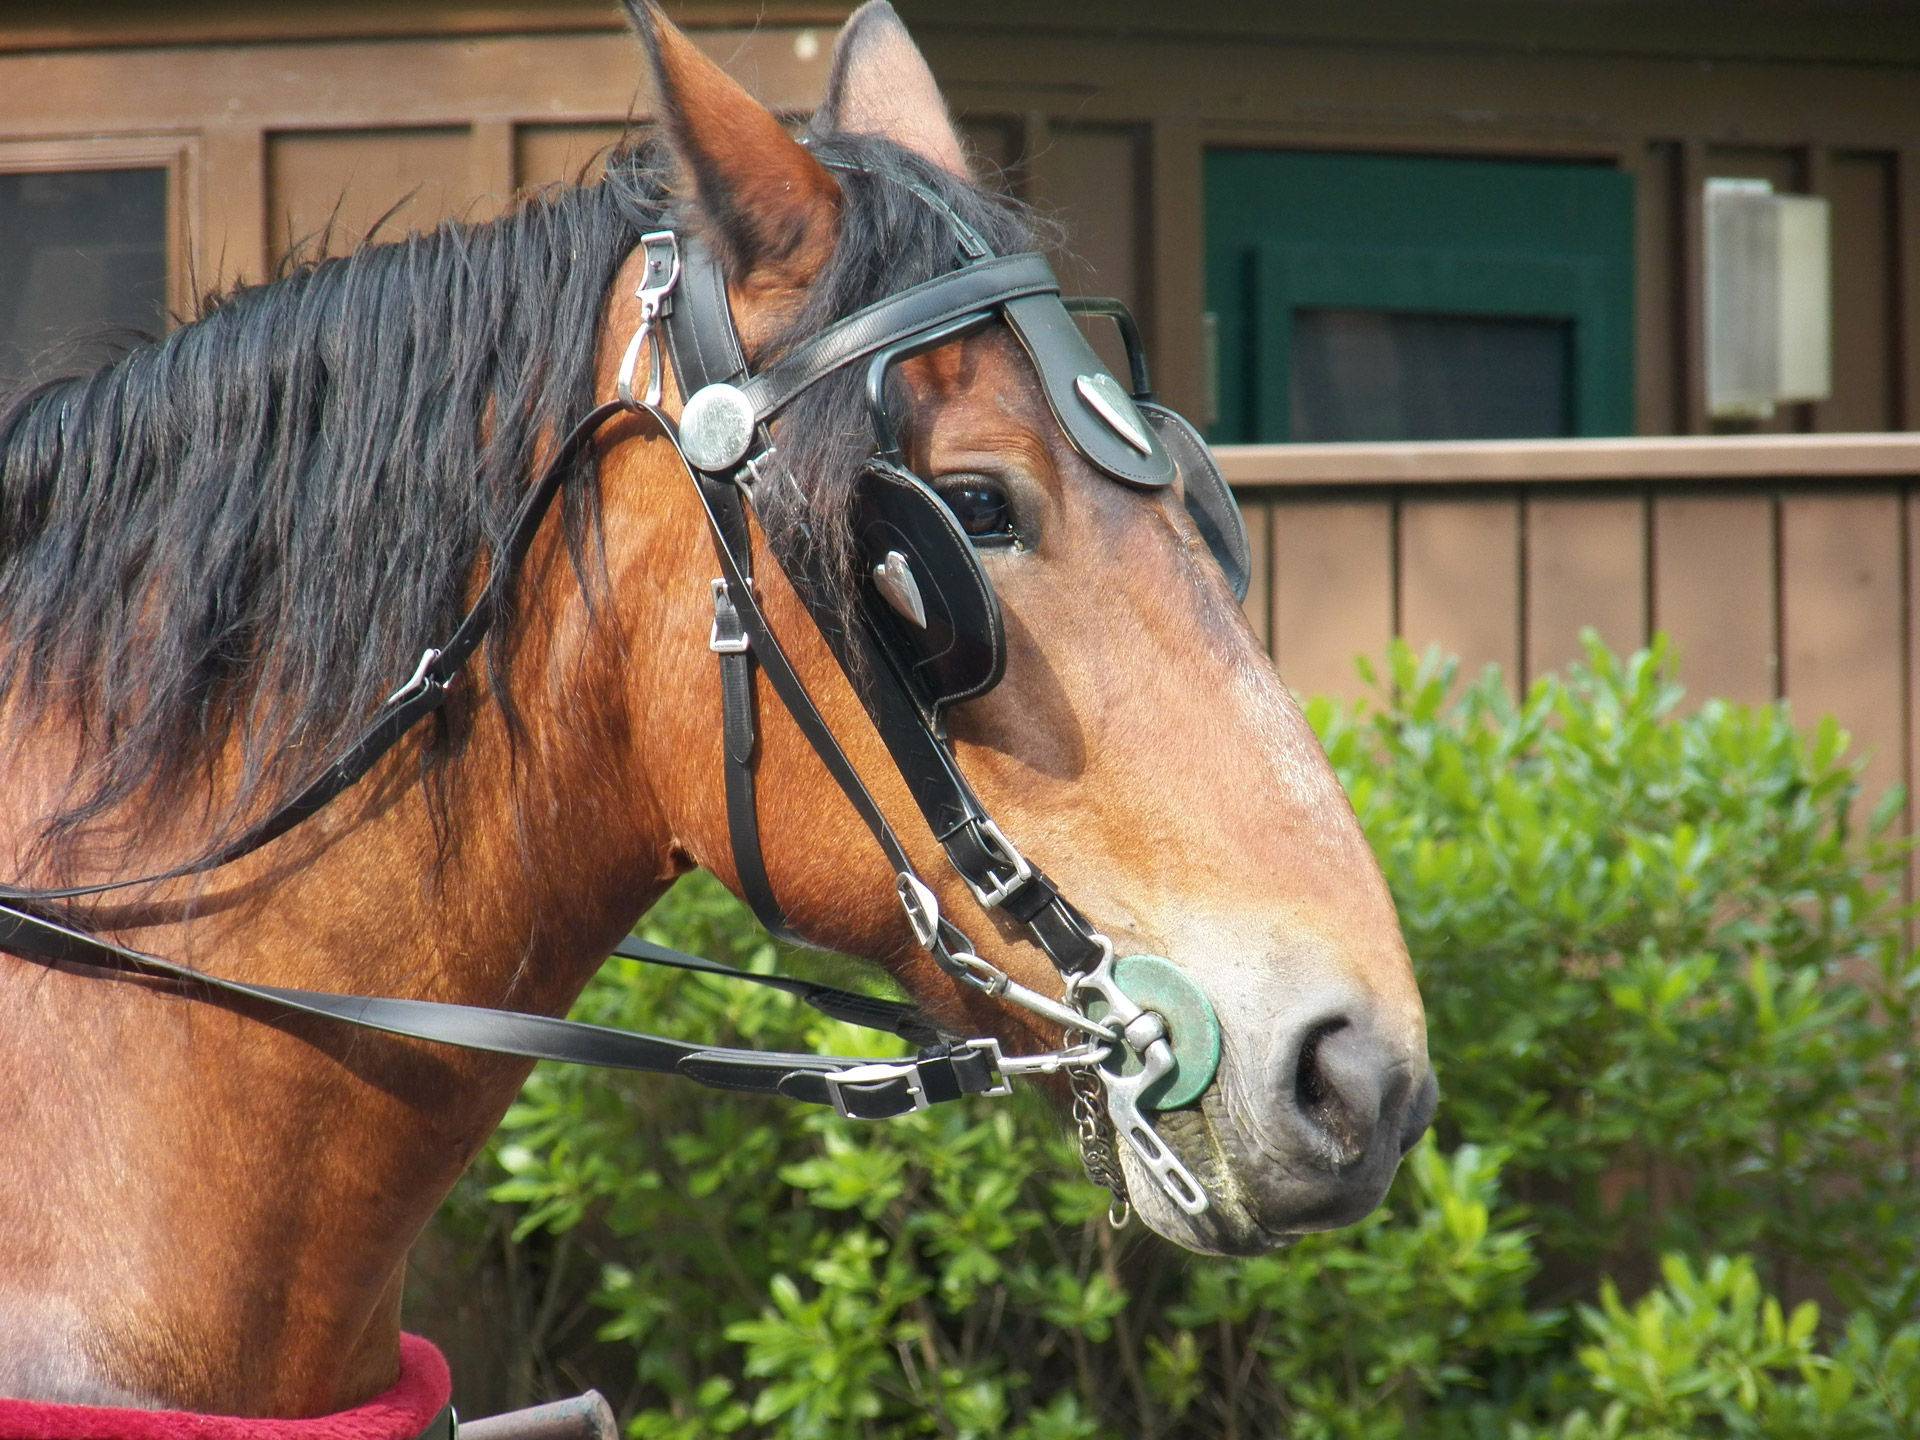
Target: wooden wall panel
{"type": "Point", "coordinates": [490, 169]}
{"type": "Point", "coordinates": [334, 185]}
{"type": "Point", "coordinates": [1865, 377]}
{"type": "Point", "coordinates": [1586, 565]}
{"type": "Point", "coordinates": [1459, 584]}
{"type": "Point", "coordinates": [1910, 612]}
{"type": "Point", "coordinates": [1089, 177]}
{"type": "Point", "coordinates": [1714, 593]}
{"type": "Point", "coordinates": [561, 154]}
{"type": "Point", "coordinates": [1906, 300]}
{"type": "Point", "coordinates": [1842, 577]}
{"type": "Point", "coordinates": [1092, 179]}
{"type": "Point", "coordinates": [232, 238]}
{"type": "Point", "coordinates": [1333, 588]}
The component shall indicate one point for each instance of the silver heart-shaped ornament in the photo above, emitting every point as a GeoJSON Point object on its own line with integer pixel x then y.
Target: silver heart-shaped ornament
{"type": "Point", "coordinates": [1113, 405]}
{"type": "Point", "coordinates": [893, 578]}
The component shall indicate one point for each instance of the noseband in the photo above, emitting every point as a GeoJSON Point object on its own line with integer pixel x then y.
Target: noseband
{"type": "Point", "coordinates": [926, 633]}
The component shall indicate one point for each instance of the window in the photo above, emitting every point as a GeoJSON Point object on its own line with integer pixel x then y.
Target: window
{"type": "Point", "coordinates": [1403, 375]}
{"type": "Point", "coordinates": [83, 253]}
{"type": "Point", "coordinates": [1380, 297]}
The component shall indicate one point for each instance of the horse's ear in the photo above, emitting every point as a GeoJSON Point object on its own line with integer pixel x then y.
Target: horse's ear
{"type": "Point", "coordinates": [769, 207]}
{"type": "Point", "coordinates": [880, 85]}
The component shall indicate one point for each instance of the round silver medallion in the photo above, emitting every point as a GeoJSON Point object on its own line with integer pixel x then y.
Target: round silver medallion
{"type": "Point", "coordinates": [716, 427]}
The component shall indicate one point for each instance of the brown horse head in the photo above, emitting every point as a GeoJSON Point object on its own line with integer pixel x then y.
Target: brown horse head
{"type": "Point", "coordinates": [1140, 747]}
{"type": "Point", "coordinates": [219, 553]}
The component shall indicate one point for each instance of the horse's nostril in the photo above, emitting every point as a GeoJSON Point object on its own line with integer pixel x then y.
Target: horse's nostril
{"type": "Point", "coordinates": [1310, 1090]}
{"type": "Point", "coordinates": [1337, 1084]}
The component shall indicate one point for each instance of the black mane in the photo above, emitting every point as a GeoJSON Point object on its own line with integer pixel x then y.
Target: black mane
{"type": "Point", "coordinates": [242, 535]}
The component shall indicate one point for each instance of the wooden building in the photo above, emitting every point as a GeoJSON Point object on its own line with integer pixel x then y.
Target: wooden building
{"type": "Point", "coordinates": [1526, 173]}
{"type": "Point", "coordinates": [1295, 195]}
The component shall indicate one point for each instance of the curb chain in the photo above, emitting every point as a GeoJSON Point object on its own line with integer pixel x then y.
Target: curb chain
{"type": "Point", "coordinates": [1096, 1142]}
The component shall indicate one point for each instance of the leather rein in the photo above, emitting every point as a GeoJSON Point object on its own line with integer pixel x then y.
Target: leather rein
{"type": "Point", "coordinates": [723, 438]}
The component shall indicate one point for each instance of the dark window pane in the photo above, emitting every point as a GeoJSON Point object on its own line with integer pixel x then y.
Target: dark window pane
{"type": "Point", "coordinates": [81, 251]}
{"type": "Point", "coordinates": [1386, 375]}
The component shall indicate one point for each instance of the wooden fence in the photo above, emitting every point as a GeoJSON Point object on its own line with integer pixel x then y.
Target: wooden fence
{"type": "Point", "coordinates": [1782, 566]}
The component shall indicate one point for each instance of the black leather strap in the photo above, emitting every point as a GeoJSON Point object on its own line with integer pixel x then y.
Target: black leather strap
{"type": "Point", "coordinates": [792, 692]}
{"type": "Point", "coordinates": [739, 754]}
{"type": "Point", "coordinates": [869, 1012]}
{"type": "Point", "coordinates": [706, 349]}
{"type": "Point", "coordinates": [983, 285]}
{"type": "Point", "coordinates": [700, 334]}
{"type": "Point", "coordinates": [934, 1074]}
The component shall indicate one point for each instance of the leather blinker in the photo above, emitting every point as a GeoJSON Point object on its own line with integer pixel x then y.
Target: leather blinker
{"type": "Point", "coordinates": [952, 645]}
{"type": "Point", "coordinates": [1216, 514]}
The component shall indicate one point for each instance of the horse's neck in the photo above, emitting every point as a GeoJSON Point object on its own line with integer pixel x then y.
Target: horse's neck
{"type": "Point", "coordinates": [207, 1206]}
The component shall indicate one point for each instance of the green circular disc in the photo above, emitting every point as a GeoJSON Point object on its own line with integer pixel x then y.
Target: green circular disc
{"type": "Point", "coordinates": [1155, 983]}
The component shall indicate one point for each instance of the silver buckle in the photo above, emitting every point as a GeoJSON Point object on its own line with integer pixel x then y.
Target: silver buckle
{"type": "Point", "coordinates": [923, 909]}
{"type": "Point", "coordinates": [1002, 851]}
{"type": "Point", "coordinates": [992, 1047]}
{"type": "Point", "coordinates": [875, 1074]}
{"type": "Point", "coordinates": [716, 642]}
{"type": "Point", "coordinates": [657, 279]}
{"type": "Point", "coordinates": [418, 680]}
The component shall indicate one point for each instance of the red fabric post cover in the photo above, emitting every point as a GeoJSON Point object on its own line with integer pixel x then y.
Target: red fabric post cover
{"type": "Point", "coordinates": [399, 1414]}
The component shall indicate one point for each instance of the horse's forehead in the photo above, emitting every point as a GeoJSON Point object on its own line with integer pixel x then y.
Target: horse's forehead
{"type": "Point", "coordinates": [987, 383]}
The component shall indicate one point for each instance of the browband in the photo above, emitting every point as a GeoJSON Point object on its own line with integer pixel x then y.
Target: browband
{"type": "Point", "coordinates": [983, 285]}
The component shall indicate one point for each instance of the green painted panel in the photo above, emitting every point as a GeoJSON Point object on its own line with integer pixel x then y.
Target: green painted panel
{"type": "Point", "coordinates": [1414, 235]}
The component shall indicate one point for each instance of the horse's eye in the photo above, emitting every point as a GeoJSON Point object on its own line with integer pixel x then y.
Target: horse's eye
{"type": "Point", "coordinates": [981, 507]}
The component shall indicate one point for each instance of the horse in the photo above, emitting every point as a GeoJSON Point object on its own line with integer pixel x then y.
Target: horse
{"type": "Point", "coordinates": [220, 551]}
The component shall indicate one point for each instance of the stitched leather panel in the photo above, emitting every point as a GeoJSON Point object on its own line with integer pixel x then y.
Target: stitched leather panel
{"type": "Point", "coordinates": [1062, 355]}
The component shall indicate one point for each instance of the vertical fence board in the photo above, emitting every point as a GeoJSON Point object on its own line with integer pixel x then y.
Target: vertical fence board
{"type": "Point", "coordinates": [1713, 593]}
{"type": "Point", "coordinates": [1460, 580]}
{"type": "Point", "coordinates": [1586, 565]}
{"type": "Point", "coordinates": [1332, 591]}
{"type": "Point", "coordinates": [1910, 613]}
{"type": "Point", "coordinates": [1842, 640]}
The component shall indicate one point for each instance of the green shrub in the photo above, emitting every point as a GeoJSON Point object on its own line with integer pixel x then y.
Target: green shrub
{"type": "Point", "coordinates": [1656, 949]}
{"type": "Point", "coordinates": [1671, 1013]}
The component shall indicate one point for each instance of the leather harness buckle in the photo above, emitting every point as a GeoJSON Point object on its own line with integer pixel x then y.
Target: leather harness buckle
{"type": "Point", "coordinates": [660, 273]}
{"type": "Point", "coordinates": [728, 636]}
{"type": "Point", "coordinates": [880, 1086]}
{"type": "Point", "coordinates": [887, 1089]}
{"type": "Point", "coordinates": [1000, 851]}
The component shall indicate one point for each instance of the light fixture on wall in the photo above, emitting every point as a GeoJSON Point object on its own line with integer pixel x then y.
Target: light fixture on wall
{"type": "Point", "coordinates": [1769, 299]}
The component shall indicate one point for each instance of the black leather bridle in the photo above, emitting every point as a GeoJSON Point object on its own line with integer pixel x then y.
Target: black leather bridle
{"type": "Point", "coordinates": [724, 437]}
